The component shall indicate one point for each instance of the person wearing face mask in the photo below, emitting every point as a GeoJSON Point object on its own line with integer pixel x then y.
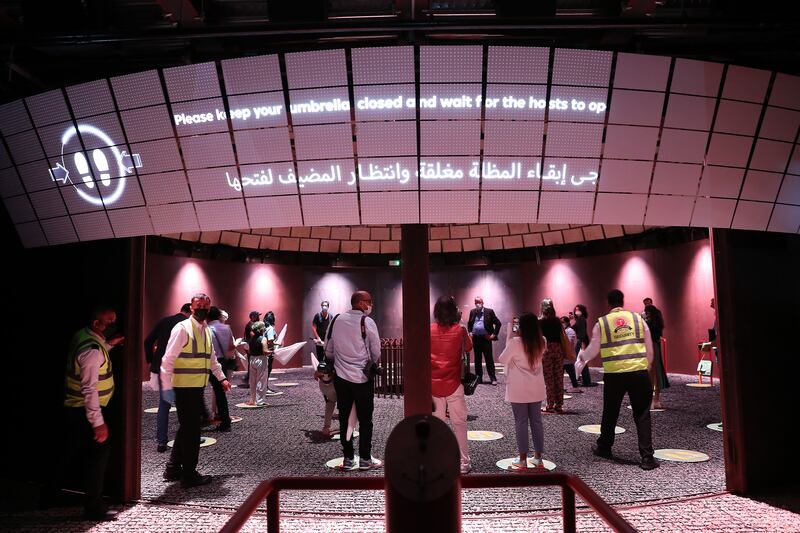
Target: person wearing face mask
{"type": "Point", "coordinates": [271, 337]}
{"type": "Point", "coordinates": [353, 344]}
{"type": "Point", "coordinates": [89, 387]}
{"type": "Point", "coordinates": [189, 358]}
{"type": "Point", "coordinates": [484, 326]}
{"type": "Point", "coordinates": [319, 325]}
{"type": "Point", "coordinates": [582, 340]}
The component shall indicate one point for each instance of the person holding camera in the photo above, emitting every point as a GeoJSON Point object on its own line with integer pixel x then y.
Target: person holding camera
{"type": "Point", "coordinates": [324, 375]}
{"type": "Point", "coordinates": [354, 346]}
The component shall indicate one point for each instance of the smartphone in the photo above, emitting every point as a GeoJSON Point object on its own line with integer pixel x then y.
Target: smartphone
{"type": "Point", "coordinates": [515, 325]}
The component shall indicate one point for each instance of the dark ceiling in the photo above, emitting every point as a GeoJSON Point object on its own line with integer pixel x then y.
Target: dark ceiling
{"type": "Point", "coordinates": [44, 45]}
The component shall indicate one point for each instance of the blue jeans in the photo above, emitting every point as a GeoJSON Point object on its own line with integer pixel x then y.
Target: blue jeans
{"type": "Point", "coordinates": [162, 418]}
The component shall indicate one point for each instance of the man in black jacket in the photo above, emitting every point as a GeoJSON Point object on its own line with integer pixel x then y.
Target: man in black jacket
{"type": "Point", "coordinates": [158, 338]}
{"type": "Point", "coordinates": [484, 327]}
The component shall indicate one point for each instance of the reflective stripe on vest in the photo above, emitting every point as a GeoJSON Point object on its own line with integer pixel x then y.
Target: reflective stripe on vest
{"type": "Point", "coordinates": [622, 346]}
{"type": "Point", "coordinates": [193, 364]}
{"type": "Point", "coordinates": [82, 341]}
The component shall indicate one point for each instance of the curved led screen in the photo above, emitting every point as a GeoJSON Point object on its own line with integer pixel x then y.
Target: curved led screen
{"type": "Point", "coordinates": [435, 134]}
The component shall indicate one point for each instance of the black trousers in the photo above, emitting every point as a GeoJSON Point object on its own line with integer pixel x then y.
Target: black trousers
{"type": "Point", "coordinates": [222, 401]}
{"type": "Point", "coordinates": [80, 443]}
{"type": "Point", "coordinates": [320, 352]}
{"type": "Point", "coordinates": [569, 368]}
{"type": "Point", "coordinates": [362, 395]}
{"type": "Point", "coordinates": [483, 349]}
{"type": "Point", "coordinates": [189, 402]}
{"type": "Point", "coordinates": [640, 391]}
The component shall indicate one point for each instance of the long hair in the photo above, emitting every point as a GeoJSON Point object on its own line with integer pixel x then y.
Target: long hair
{"type": "Point", "coordinates": [584, 312]}
{"type": "Point", "coordinates": [445, 311]}
{"type": "Point", "coordinates": [532, 339]}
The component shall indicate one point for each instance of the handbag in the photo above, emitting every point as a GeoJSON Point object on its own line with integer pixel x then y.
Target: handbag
{"type": "Point", "coordinates": [566, 347]}
{"type": "Point", "coordinates": [468, 379]}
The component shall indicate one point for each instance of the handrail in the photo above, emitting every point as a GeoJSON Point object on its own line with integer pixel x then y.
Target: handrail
{"type": "Point", "coordinates": [570, 485]}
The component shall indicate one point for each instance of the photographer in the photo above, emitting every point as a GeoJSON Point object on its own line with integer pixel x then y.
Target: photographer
{"type": "Point", "coordinates": [354, 346]}
{"type": "Point", "coordinates": [324, 374]}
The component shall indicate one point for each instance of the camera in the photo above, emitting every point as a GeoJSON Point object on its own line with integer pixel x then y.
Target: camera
{"type": "Point", "coordinates": [326, 369]}
{"type": "Point", "coordinates": [515, 325]}
{"type": "Point", "coordinates": [372, 370]}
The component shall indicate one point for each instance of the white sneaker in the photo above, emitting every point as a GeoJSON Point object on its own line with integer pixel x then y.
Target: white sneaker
{"type": "Point", "coordinates": [465, 469]}
{"type": "Point", "coordinates": [369, 464]}
{"type": "Point", "coordinates": [537, 463]}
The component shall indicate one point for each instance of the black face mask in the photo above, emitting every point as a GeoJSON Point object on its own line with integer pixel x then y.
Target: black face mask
{"type": "Point", "coordinates": [110, 330]}
{"type": "Point", "coordinates": [200, 314]}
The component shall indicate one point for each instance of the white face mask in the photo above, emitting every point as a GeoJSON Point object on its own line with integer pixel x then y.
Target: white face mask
{"type": "Point", "coordinates": [479, 306]}
{"type": "Point", "coordinates": [368, 310]}
{"type": "Point", "coordinates": [578, 313]}
{"type": "Point", "coordinates": [324, 309]}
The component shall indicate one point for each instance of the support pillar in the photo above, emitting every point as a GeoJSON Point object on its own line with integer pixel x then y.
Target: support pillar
{"type": "Point", "coordinates": [416, 320]}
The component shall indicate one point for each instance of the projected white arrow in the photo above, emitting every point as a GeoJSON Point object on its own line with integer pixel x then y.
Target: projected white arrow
{"type": "Point", "coordinates": [130, 161]}
{"type": "Point", "coordinates": [59, 173]}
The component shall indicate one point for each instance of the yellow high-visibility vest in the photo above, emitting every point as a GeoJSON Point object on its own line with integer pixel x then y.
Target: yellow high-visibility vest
{"type": "Point", "coordinates": [82, 341]}
{"type": "Point", "coordinates": [622, 346]}
{"type": "Point", "coordinates": [193, 364]}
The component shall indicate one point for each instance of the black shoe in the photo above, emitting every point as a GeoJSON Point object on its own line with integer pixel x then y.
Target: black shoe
{"type": "Point", "coordinates": [172, 473]}
{"type": "Point", "coordinates": [161, 448]}
{"type": "Point", "coordinates": [649, 463]}
{"type": "Point", "coordinates": [494, 381]}
{"type": "Point", "coordinates": [195, 480]}
{"type": "Point", "coordinates": [225, 428]}
{"type": "Point", "coordinates": [602, 452]}
{"type": "Point", "coordinates": [100, 515]}
{"type": "Point", "coordinates": [590, 384]}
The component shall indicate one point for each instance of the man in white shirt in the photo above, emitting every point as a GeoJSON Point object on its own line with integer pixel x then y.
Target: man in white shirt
{"type": "Point", "coordinates": [353, 345]}
{"type": "Point", "coordinates": [185, 367]}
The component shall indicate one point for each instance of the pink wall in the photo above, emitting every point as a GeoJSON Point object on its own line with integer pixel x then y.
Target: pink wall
{"type": "Point", "coordinates": [678, 278]}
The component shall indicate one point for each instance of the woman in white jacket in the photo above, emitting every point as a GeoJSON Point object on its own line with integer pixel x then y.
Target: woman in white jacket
{"type": "Point", "coordinates": [525, 387]}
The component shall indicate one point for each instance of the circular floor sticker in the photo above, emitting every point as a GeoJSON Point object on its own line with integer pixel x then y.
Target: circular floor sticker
{"type": "Point", "coordinates": [278, 372]}
{"type": "Point", "coordinates": [682, 456]}
{"type": "Point", "coordinates": [651, 409]}
{"type": "Point", "coordinates": [286, 384]}
{"type": "Point", "coordinates": [699, 385]}
{"type": "Point", "coordinates": [153, 410]}
{"type": "Point", "coordinates": [235, 419]}
{"type": "Point", "coordinates": [716, 427]}
{"type": "Point", "coordinates": [204, 442]}
{"type": "Point", "coordinates": [567, 396]}
{"type": "Point", "coordinates": [484, 435]}
{"type": "Point", "coordinates": [594, 429]}
{"type": "Point", "coordinates": [336, 464]}
{"type": "Point", "coordinates": [601, 382]}
{"type": "Point", "coordinates": [234, 386]}
{"type": "Point", "coordinates": [505, 464]}
{"type": "Point", "coordinates": [250, 406]}
{"type": "Point", "coordinates": [336, 435]}
{"type": "Point", "coordinates": [272, 379]}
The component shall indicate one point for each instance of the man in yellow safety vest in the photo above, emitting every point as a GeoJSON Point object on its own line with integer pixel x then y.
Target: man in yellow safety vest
{"type": "Point", "coordinates": [622, 339]}
{"type": "Point", "coordinates": [185, 367]}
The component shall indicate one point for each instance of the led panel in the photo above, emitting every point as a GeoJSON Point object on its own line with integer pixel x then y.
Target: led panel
{"type": "Point", "coordinates": [780, 124]}
{"type": "Point", "coordinates": [404, 207]}
{"type": "Point", "coordinates": [751, 215]}
{"type": "Point", "coordinates": [450, 137]}
{"type": "Point", "coordinates": [785, 91]}
{"type": "Point", "coordinates": [578, 104]}
{"type": "Point", "coordinates": [794, 161]}
{"type": "Point", "coordinates": [48, 204]}
{"type": "Point", "coordinates": [574, 140]}
{"type": "Point", "coordinates": [5, 159]}
{"type": "Point", "coordinates": [385, 102]}
{"type": "Point", "coordinates": [93, 226]}
{"type": "Point", "coordinates": [721, 182]}
{"type": "Point", "coordinates": [386, 138]}
{"type": "Point", "coordinates": [267, 179]}
{"type": "Point", "coordinates": [320, 68]}
{"type": "Point", "coordinates": [625, 176]}
{"type": "Point", "coordinates": [450, 101]}
{"type": "Point", "coordinates": [199, 116]}
{"type": "Point", "coordinates": [14, 118]}
{"type": "Point", "coordinates": [676, 178]}
{"type": "Point", "coordinates": [637, 108]}
{"type": "Point", "coordinates": [48, 108]}
{"type": "Point", "coordinates": [101, 131]}
{"type": "Point", "coordinates": [689, 112]}
{"type": "Point", "coordinates": [157, 156]}
{"type": "Point", "coordinates": [50, 137]}
{"type": "Point", "coordinates": [696, 77]}
{"type": "Point", "coordinates": [138, 90]}
{"type": "Point", "coordinates": [166, 188]}
{"type": "Point", "coordinates": [315, 177]}
{"type": "Point", "coordinates": [682, 146]}
{"type": "Point", "coordinates": [669, 210]}
{"type": "Point", "coordinates": [24, 147]}
{"type": "Point", "coordinates": [509, 207]}
{"type": "Point", "coordinates": [516, 102]}
{"type": "Point", "coordinates": [387, 174]}
{"type": "Point", "coordinates": [130, 222]}
{"type": "Point", "coordinates": [748, 84]}
{"type": "Point", "coordinates": [211, 184]}
{"type": "Point", "coordinates": [36, 176]}
{"type": "Point", "coordinates": [450, 64]}
{"type": "Point", "coordinates": [260, 110]}
{"type": "Point", "coordinates": [59, 230]}
{"type": "Point", "coordinates": [562, 174]}
{"type": "Point", "coordinates": [713, 212]}
{"type": "Point", "coordinates": [76, 202]}
{"type": "Point", "coordinates": [10, 185]}
{"type": "Point", "coordinates": [455, 207]}
{"type": "Point", "coordinates": [785, 218]}
{"type": "Point", "coordinates": [737, 117]}
{"type": "Point", "coordinates": [790, 190]}
{"type": "Point", "coordinates": [324, 141]}
{"type": "Point", "coordinates": [31, 235]}
{"type": "Point", "coordinates": [565, 207]}
{"type": "Point", "coordinates": [761, 186]}
{"type": "Point", "coordinates": [173, 218]}
{"type": "Point", "coordinates": [268, 212]}
{"type": "Point", "coordinates": [221, 214]}
{"type": "Point", "coordinates": [450, 173]}
{"type": "Point", "coordinates": [256, 146]}
{"type": "Point", "coordinates": [121, 193]}
{"type": "Point", "coordinates": [613, 208]}
{"type": "Point", "coordinates": [637, 71]}
{"type": "Point", "coordinates": [512, 138]}
{"type": "Point", "coordinates": [213, 150]}
{"type": "Point", "coordinates": [147, 123]}
{"type": "Point", "coordinates": [318, 209]}
{"type": "Point", "coordinates": [92, 98]}
{"type": "Point", "coordinates": [728, 150]}
{"type": "Point", "coordinates": [770, 155]}
{"type": "Point", "coordinates": [192, 82]}
{"type": "Point", "coordinates": [390, 64]}
{"type": "Point", "coordinates": [320, 106]}
{"type": "Point", "coordinates": [252, 74]}
{"type": "Point", "coordinates": [581, 67]}
{"type": "Point", "coordinates": [509, 173]}
{"type": "Point", "coordinates": [517, 64]}
{"type": "Point", "coordinates": [19, 209]}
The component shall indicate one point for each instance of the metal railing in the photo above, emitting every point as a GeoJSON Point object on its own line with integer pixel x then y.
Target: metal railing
{"type": "Point", "coordinates": [390, 382]}
{"type": "Point", "coordinates": [570, 486]}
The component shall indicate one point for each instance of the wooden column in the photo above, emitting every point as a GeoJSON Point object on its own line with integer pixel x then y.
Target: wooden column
{"type": "Point", "coordinates": [416, 319]}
